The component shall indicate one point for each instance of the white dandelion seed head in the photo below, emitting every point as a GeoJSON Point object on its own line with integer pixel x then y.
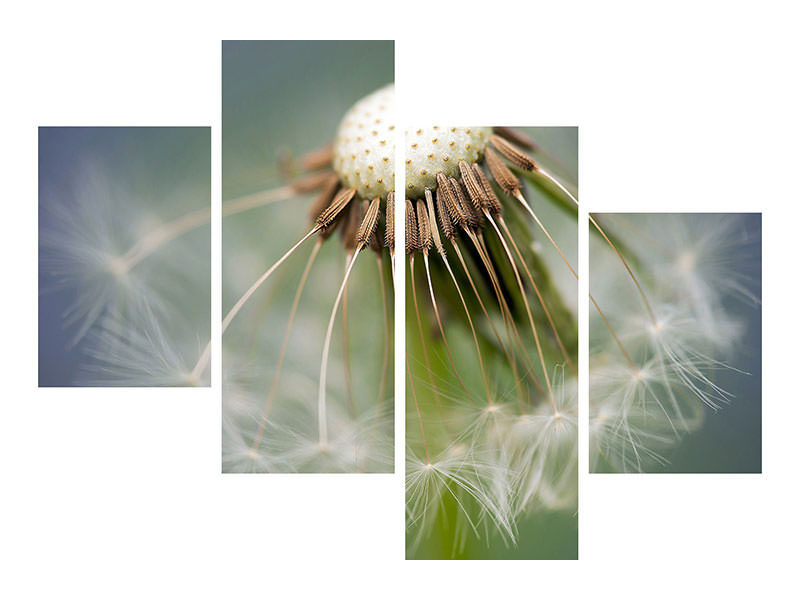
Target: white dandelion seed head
{"type": "Point", "coordinates": [479, 423]}
{"type": "Point", "coordinates": [545, 443]}
{"type": "Point", "coordinates": [690, 268]}
{"type": "Point", "coordinates": [363, 151]}
{"type": "Point", "coordinates": [697, 264]}
{"type": "Point", "coordinates": [434, 150]}
{"type": "Point", "coordinates": [86, 237]}
{"type": "Point", "coordinates": [355, 444]}
{"type": "Point", "coordinates": [255, 345]}
{"type": "Point", "coordinates": [242, 386]}
{"type": "Point", "coordinates": [243, 453]}
{"type": "Point", "coordinates": [286, 438]}
{"type": "Point", "coordinates": [470, 480]}
{"type": "Point", "coordinates": [680, 352]}
{"type": "Point", "coordinates": [82, 241]}
{"type": "Point", "coordinates": [705, 254]}
{"type": "Point", "coordinates": [121, 354]}
{"type": "Point", "coordinates": [629, 439]}
{"type": "Point", "coordinates": [632, 422]}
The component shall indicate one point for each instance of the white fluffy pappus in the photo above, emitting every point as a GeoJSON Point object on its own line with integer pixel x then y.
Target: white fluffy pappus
{"type": "Point", "coordinates": [503, 464]}
{"type": "Point", "coordinates": [673, 327]}
{"type": "Point", "coordinates": [138, 276]}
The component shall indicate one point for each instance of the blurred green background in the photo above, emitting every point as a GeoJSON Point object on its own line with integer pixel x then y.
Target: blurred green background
{"type": "Point", "coordinates": [290, 95]}
{"type": "Point", "coordinates": [542, 534]}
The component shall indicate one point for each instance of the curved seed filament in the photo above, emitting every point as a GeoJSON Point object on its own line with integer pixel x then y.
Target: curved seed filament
{"type": "Point", "coordinates": [527, 310]}
{"type": "Point", "coordinates": [386, 332]}
{"type": "Point", "coordinates": [322, 412]}
{"type": "Point", "coordinates": [511, 327]}
{"type": "Point", "coordinates": [561, 347]}
{"type": "Point", "coordinates": [284, 343]}
{"type": "Point", "coordinates": [627, 268]}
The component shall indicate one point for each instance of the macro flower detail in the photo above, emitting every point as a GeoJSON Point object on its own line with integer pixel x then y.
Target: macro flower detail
{"type": "Point", "coordinates": [492, 345]}
{"type": "Point", "coordinates": [671, 295]}
{"type": "Point", "coordinates": [363, 151]}
{"type": "Point", "coordinates": [278, 415]}
{"type": "Point", "coordinates": [124, 255]}
{"type": "Point", "coordinates": [438, 151]}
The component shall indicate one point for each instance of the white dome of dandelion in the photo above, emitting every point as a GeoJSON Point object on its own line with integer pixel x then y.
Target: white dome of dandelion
{"type": "Point", "coordinates": [433, 150]}
{"type": "Point", "coordinates": [363, 152]}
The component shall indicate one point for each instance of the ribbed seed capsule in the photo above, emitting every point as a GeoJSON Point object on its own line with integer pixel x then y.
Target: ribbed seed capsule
{"type": "Point", "coordinates": [512, 153]}
{"type": "Point", "coordinates": [474, 189]}
{"type": "Point", "coordinates": [412, 235]}
{"type": "Point", "coordinates": [373, 242]}
{"type": "Point", "coordinates": [369, 223]}
{"type": "Point", "coordinates": [473, 219]}
{"type": "Point", "coordinates": [476, 216]}
{"type": "Point", "coordinates": [388, 239]}
{"type": "Point", "coordinates": [425, 239]}
{"type": "Point", "coordinates": [507, 181]}
{"type": "Point", "coordinates": [493, 203]}
{"type": "Point", "coordinates": [356, 224]}
{"type": "Point", "coordinates": [437, 241]}
{"type": "Point", "coordinates": [340, 201]}
{"type": "Point", "coordinates": [444, 218]}
{"type": "Point", "coordinates": [450, 200]}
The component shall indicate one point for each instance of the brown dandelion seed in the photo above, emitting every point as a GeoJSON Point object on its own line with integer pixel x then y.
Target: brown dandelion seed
{"type": "Point", "coordinates": [473, 218]}
{"type": "Point", "coordinates": [444, 218]}
{"type": "Point", "coordinates": [424, 232]}
{"type": "Point", "coordinates": [412, 235]}
{"type": "Point", "coordinates": [493, 203]}
{"type": "Point", "coordinates": [388, 239]}
{"type": "Point", "coordinates": [338, 204]}
{"type": "Point", "coordinates": [512, 153]}
{"type": "Point", "coordinates": [372, 212]}
{"type": "Point", "coordinates": [507, 181]}
{"type": "Point", "coordinates": [474, 188]}
{"type": "Point", "coordinates": [451, 205]}
{"type": "Point", "coordinates": [437, 240]}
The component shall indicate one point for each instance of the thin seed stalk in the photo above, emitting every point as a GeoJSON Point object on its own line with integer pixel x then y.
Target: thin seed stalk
{"type": "Point", "coordinates": [322, 406]}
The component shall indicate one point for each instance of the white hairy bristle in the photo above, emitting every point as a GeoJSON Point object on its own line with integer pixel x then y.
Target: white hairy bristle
{"type": "Point", "coordinates": [433, 150]}
{"type": "Point", "coordinates": [363, 152]}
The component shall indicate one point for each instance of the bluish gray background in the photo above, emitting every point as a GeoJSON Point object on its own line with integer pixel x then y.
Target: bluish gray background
{"type": "Point", "coordinates": [730, 439]}
{"type": "Point", "coordinates": [149, 160]}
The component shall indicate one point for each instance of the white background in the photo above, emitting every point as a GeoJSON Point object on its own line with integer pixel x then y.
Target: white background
{"type": "Point", "coordinates": [118, 493]}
